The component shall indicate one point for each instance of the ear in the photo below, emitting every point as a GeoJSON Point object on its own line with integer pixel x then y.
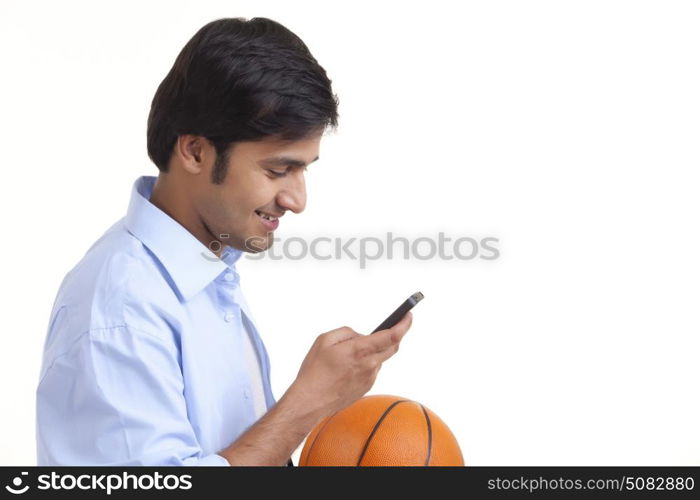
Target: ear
{"type": "Point", "coordinates": [192, 151]}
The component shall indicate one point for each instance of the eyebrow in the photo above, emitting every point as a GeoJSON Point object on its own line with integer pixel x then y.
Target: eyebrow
{"type": "Point", "coordinates": [283, 161]}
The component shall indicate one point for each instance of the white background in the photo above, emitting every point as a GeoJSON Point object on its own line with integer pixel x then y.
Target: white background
{"type": "Point", "coordinates": [568, 130]}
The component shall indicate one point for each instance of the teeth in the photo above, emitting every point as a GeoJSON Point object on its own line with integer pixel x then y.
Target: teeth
{"type": "Point", "coordinates": [265, 216]}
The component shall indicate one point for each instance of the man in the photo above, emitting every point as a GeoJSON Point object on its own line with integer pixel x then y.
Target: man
{"type": "Point", "coordinates": [152, 356]}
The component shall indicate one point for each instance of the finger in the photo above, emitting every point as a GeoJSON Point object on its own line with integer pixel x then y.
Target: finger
{"type": "Point", "coordinates": [380, 357]}
{"type": "Point", "coordinates": [384, 339]}
{"type": "Point", "coordinates": [385, 354]}
{"type": "Point", "coordinates": [402, 326]}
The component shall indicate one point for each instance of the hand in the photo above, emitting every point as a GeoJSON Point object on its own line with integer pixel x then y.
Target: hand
{"type": "Point", "coordinates": [342, 365]}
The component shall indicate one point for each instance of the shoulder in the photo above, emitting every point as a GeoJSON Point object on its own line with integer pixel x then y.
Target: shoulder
{"type": "Point", "coordinates": [117, 283]}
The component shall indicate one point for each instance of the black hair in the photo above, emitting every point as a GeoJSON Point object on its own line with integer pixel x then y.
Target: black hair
{"type": "Point", "coordinates": [240, 80]}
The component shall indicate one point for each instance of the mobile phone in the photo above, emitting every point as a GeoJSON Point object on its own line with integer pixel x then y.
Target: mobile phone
{"type": "Point", "coordinates": [400, 312]}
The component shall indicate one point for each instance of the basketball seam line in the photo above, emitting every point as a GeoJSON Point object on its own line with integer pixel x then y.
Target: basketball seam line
{"type": "Point", "coordinates": [430, 435]}
{"type": "Point", "coordinates": [376, 427]}
{"type": "Point", "coordinates": [308, 455]}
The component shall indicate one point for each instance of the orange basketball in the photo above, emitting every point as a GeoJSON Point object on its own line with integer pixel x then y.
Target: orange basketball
{"type": "Point", "coordinates": [381, 430]}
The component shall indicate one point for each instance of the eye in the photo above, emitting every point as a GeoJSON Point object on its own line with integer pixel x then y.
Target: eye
{"type": "Point", "coordinates": [275, 173]}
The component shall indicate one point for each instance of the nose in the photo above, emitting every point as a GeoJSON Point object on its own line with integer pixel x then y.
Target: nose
{"type": "Point", "coordinates": [293, 195]}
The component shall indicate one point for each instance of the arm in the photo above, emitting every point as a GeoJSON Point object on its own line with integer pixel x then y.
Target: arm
{"type": "Point", "coordinates": [340, 368]}
{"type": "Point", "coordinates": [116, 399]}
{"type": "Point", "coordinates": [273, 438]}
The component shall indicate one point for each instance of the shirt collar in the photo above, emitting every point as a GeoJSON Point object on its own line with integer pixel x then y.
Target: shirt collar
{"type": "Point", "coordinates": [190, 264]}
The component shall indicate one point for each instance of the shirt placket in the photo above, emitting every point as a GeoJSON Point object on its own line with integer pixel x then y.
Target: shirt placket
{"type": "Point", "coordinates": [233, 317]}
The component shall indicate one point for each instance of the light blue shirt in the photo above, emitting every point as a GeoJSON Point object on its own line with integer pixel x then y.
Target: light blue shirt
{"type": "Point", "coordinates": [143, 362]}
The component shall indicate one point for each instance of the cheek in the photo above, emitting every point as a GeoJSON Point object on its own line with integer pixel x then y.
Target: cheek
{"type": "Point", "coordinates": [241, 212]}
{"type": "Point", "coordinates": [233, 207]}
{"type": "Point", "coordinates": [252, 191]}
{"type": "Point", "coordinates": [263, 198]}
{"type": "Point", "coordinates": [221, 213]}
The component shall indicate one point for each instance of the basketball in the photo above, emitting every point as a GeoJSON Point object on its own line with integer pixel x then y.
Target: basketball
{"type": "Point", "coordinates": [381, 430]}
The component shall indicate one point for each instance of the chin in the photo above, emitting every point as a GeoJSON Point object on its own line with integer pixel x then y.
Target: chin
{"type": "Point", "coordinates": [258, 243]}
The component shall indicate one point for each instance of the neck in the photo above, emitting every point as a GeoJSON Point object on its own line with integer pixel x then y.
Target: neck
{"type": "Point", "coordinates": [168, 196]}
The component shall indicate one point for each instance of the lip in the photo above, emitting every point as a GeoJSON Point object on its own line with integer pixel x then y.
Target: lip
{"type": "Point", "coordinates": [270, 225]}
{"type": "Point", "coordinates": [273, 215]}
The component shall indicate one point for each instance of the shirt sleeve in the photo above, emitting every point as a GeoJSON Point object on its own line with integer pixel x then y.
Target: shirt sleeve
{"type": "Point", "coordinates": [117, 398]}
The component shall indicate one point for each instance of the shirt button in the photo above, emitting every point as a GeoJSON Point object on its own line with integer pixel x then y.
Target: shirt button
{"type": "Point", "coordinates": [228, 276]}
{"type": "Point", "coordinates": [228, 317]}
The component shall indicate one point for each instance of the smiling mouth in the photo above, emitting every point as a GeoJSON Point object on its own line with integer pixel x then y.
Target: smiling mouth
{"type": "Point", "coordinates": [266, 216]}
